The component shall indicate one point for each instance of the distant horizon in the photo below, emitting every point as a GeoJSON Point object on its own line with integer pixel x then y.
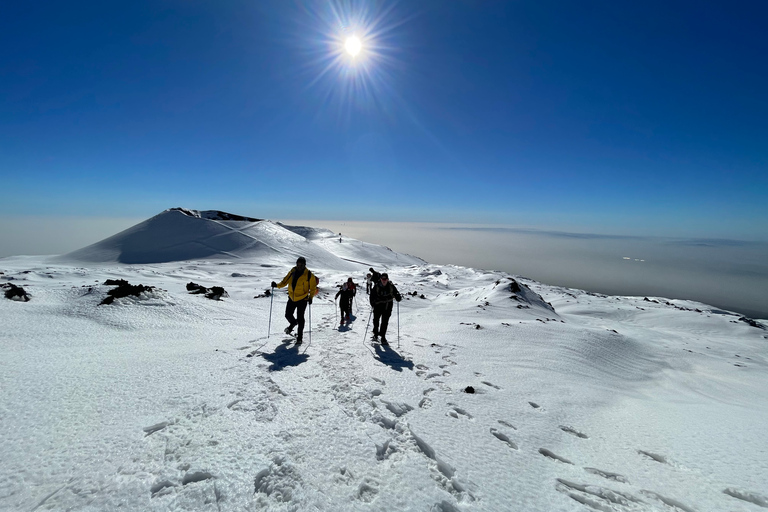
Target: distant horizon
{"type": "Point", "coordinates": [674, 267]}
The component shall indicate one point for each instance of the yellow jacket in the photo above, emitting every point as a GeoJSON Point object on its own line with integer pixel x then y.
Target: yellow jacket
{"type": "Point", "coordinates": [306, 283]}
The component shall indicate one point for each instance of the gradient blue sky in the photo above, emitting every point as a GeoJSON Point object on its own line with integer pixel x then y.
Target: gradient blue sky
{"type": "Point", "coordinates": [644, 118]}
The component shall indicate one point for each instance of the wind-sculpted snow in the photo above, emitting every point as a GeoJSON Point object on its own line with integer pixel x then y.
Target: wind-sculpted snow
{"type": "Point", "coordinates": [169, 401]}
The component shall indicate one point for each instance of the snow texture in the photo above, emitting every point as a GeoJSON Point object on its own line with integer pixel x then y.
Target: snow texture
{"type": "Point", "coordinates": [168, 401]}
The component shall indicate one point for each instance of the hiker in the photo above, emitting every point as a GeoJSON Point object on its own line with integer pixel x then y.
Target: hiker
{"type": "Point", "coordinates": [368, 283]}
{"type": "Point", "coordinates": [375, 277]}
{"type": "Point", "coordinates": [347, 292]}
{"type": "Point", "coordinates": [302, 286]}
{"type": "Point", "coordinates": [381, 300]}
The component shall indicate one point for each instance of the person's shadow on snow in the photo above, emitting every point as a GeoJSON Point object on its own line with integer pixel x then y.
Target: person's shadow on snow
{"type": "Point", "coordinates": [346, 327]}
{"type": "Point", "coordinates": [387, 355]}
{"type": "Point", "coordinates": [285, 355]}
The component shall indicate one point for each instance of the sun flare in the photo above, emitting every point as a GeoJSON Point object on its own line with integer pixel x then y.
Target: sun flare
{"type": "Point", "coordinates": [353, 45]}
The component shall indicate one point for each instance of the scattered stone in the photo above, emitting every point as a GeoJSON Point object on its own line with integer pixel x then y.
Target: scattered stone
{"type": "Point", "coordinates": [266, 293]}
{"type": "Point", "coordinates": [214, 293]}
{"type": "Point", "coordinates": [115, 282]}
{"type": "Point", "coordinates": [124, 289]}
{"type": "Point", "coordinates": [469, 389]}
{"type": "Point", "coordinates": [17, 293]}
{"type": "Point", "coordinates": [196, 288]}
{"type": "Point", "coordinates": [751, 322]}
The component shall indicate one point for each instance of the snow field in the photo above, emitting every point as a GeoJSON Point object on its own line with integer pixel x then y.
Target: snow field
{"type": "Point", "coordinates": [171, 401]}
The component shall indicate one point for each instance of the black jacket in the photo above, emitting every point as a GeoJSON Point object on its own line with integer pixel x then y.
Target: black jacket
{"type": "Point", "coordinates": [381, 294]}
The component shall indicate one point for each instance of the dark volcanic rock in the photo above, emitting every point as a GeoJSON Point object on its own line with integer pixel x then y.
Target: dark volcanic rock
{"type": "Point", "coordinates": [124, 289]}
{"type": "Point", "coordinates": [14, 292]}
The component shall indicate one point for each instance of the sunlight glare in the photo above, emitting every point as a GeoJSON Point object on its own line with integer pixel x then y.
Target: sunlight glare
{"type": "Point", "coordinates": [353, 45]}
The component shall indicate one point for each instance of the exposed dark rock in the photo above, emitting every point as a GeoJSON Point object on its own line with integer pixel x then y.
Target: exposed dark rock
{"type": "Point", "coordinates": [751, 322]}
{"type": "Point", "coordinates": [215, 293]}
{"type": "Point", "coordinates": [514, 287]}
{"type": "Point", "coordinates": [124, 289]}
{"type": "Point", "coordinates": [14, 292]}
{"type": "Point", "coordinates": [196, 288]}
{"type": "Point", "coordinates": [469, 389]}
{"type": "Point", "coordinates": [266, 293]}
{"type": "Point", "coordinates": [213, 215]}
{"type": "Point", "coordinates": [115, 282]}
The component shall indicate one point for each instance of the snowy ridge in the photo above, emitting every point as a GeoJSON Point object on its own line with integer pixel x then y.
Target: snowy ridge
{"type": "Point", "coordinates": [180, 234]}
{"type": "Point", "coordinates": [170, 401]}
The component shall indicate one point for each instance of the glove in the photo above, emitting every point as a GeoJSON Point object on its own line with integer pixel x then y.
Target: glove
{"type": "Point", "coordinates": [274, 284]}
{"type": "Point", "coordinates": [398, 297]}
{"type": "Point", "coordinates": [310, 301]}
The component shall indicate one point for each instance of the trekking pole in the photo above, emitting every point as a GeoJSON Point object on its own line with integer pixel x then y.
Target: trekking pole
{"type": "Point", "coordinates": [271, 298]}
{"type": "Point", "coordinates": [310, 323]}
{"type": "Point", "coordinates": [367, 324]}
{"type": "Point", "coordinates": [335, 311]}
{"type": "Point", "coordinates": [398, 324]}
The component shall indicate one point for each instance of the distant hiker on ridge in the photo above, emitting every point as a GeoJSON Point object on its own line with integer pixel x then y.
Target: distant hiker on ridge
{"type": "Point", "coordinates": [381, 299]}
{"type": "Point", "coordinates": [375, 277]}
{"type": "Point", "coordinates": [347, 292]}
{"type": "Point", "coordinates": [302, 286]}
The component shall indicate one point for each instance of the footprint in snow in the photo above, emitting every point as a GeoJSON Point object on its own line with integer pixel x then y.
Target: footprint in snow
{"type": "Point", "coordinates": [573, 431]}
{"type": "Point", "coordinates": [667, 501]}
{"type": "Point", "coordinates": [507, 424]}
{"type": "Point", "coordinates": [596, 497]}
{"type": "Point", "coordinates": [608, 475]}
{"type": "Point", "coordinates": [503, 437]}
{"type": "Point", "coordinates": [654, 456]}
{"type": "Point", "coordinates": [751, 497]}
{"type": "Point", "coordinates": [554, 456]}
{"type": "Point", "coordinates": [367, 490]}
{"type": "Point", "coordinates": [494, 386]}
{"type": "Point", "coordinates": [535, 405]}
{"type": "Point", "coordinates": [457, 412]}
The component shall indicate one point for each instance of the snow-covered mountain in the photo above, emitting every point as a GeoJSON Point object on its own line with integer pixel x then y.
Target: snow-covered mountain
{"type": "Point", "coordinates": [179, 234]}
{"type": "Point", "coordinates": [497, 392]}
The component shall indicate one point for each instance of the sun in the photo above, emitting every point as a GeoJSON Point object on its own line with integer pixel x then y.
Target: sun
{"type": "Point", "coordinates": [353, 45]}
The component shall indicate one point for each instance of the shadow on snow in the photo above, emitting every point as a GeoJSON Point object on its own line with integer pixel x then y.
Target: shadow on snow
{"type": "Point", "coordinates": [285, 355]}
{"type": "Point", "coordinates": [388, 356]}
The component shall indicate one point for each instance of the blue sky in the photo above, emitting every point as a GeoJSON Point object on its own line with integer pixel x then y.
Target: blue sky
{"type": "Point", "coordinates": [643, 118]}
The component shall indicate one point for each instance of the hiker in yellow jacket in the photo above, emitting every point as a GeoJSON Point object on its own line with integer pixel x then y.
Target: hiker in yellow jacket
{"type": "Point", "coordinates": [302, 286]}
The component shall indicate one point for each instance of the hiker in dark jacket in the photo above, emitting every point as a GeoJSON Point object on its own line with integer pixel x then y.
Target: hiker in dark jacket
{"type": "Point", "coordinates": [302, 286]}
{"type": "Point", "coordinates": [347, 292]}
{"type": "Point", "coordinates": [382, 295]}
{"type": "Point", "coordinates": [375, 276]}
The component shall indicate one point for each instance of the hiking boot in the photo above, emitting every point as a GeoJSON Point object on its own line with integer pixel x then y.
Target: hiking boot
{"type": "Point", "coordinates": [375, 337]}
{"type": "Point", "coordinates": [384, 341]}
{"type": "Point", "coordinates": [298, 341]}
{"type": "Point", "coordinates": [288, 329]}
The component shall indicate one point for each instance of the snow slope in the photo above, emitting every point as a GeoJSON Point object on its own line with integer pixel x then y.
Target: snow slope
{"type": "Point", "coordinates": [171, 401]}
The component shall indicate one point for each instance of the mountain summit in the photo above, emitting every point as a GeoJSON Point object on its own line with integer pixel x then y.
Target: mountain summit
{"type": "Point", "coordinates": [179, 234]}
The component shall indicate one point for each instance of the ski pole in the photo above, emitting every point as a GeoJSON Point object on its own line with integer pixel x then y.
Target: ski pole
{"type": "Point", "coordinates": [310, 323]}
{"type": "Point", "coordinates": [271, 298]}
{"type": "Point", "coordinates": [367, 324]}
{"type": "Point", "coordinates": [335, 311]}
{"type": "Point", "coordinates": [398, 324]}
